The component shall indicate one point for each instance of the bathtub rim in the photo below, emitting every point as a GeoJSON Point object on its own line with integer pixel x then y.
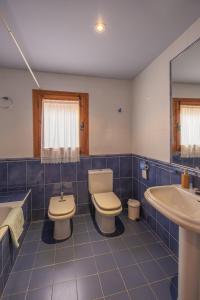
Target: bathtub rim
{"type": "Point", "coordinates": [12, 204]}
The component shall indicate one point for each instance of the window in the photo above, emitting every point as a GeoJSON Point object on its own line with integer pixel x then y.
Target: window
{"type": "Point", "coordinates": [60, 125]}
{"type": "Point", "coordinates": [186, 127]}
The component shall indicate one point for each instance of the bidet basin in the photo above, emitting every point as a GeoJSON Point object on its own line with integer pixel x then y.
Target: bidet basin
{"type": "Point", "coordinates": [179, 205]}
{"type": "Point", "coordinates": [183, 208]}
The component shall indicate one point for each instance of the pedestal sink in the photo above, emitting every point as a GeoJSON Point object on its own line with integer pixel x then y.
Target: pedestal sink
{"type": "Point", "coordinates": [183, 208]}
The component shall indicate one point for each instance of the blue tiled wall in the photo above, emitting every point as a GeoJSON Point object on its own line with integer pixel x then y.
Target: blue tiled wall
{"type": "Point", "coordinates": [8, 252]}
{"type": "Point", "coordinates": [192, 162]}
{"type": "Point", "coordinates": [160, 173]}
{"type": "Point", "coordinates": [48, 180]}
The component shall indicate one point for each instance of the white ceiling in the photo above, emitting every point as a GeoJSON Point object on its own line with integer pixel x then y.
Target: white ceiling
{"type": "Point", "coordinates": [59, 36]}
{"type": "Point", "coordinates": [186, 67]}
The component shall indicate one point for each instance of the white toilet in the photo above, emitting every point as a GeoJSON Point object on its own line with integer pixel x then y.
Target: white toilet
{"type": "Point", "coordinates": [61, 210]}
{"type": "Point", "coordinates": [107, 204]}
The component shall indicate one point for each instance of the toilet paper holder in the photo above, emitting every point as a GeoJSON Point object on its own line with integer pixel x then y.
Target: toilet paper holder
{"type": "Point", "coordinates": [145, 170]}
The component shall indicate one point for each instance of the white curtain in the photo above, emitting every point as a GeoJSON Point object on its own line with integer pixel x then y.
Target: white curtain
{"type": "Point", "coordinates": [60, 131]}
{"type": "Point", "coordinates": [190, 130]}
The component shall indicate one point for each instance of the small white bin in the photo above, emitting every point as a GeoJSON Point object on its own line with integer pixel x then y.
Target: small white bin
{"type": "Point", "coordinates": [133, 209]}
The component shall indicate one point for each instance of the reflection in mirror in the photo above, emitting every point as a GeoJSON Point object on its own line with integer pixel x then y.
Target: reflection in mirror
{"type": "Point", "coordinates": [185, 107]}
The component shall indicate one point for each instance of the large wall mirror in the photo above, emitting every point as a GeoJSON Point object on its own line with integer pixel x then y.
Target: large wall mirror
{"type": "Point", "coordinates": [185, 107]}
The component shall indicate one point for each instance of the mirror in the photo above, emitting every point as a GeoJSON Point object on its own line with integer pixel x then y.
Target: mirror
{"type": "Point", "coordinates": [185, 107]}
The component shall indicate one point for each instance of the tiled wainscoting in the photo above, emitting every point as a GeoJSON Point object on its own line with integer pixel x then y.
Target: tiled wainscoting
{"type": "Point", "coordinates": [48, 180]}
{"type": "Point", "coordinates": [159, 173]}
{"type": "Point", "coordinates": [8, 252]}
{"type": "Point", "coordinates": [190, 162]}
{"type": "Point", "coordinates": [72, 178]}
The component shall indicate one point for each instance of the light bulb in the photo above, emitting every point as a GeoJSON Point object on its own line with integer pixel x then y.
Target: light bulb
{"type": "Point", "coordinates": [100, 27]}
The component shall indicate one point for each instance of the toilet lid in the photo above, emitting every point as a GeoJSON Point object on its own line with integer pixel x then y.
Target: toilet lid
{"type": "Point", "coordinates": [107, 201]}
{"type": "Point", "coordinates": [57, 207]}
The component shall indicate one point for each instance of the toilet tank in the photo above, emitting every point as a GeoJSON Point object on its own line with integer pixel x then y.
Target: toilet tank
{"type": "Point", "coordinates": [100, 181]}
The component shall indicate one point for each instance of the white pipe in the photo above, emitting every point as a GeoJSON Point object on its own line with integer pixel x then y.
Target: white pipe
{"type": "Point", "coordinates": [19, 48]}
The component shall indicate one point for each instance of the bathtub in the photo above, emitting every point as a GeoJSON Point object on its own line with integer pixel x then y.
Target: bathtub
{"type": "Point", "coordinates": [8, 201]}
{"type": "Point", "coordinates": [4, 211]}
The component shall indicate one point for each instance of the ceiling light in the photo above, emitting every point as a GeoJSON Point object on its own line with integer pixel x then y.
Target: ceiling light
{"type": "Point", "coordinates": [100, 27]}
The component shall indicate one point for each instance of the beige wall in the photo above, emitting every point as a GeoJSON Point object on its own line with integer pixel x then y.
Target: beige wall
{"type": "Point", "coordinates": [151, 101]}
{"type": "Point", "coordinates": [185, 90]}
{"type": "Point", "coordinates": [110, 131]}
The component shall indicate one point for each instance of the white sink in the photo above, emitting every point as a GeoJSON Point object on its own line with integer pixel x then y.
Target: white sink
{"type": "Point", "coordinates": [179, 205]}
{"type": "Point", "coordinates": [183, 208]}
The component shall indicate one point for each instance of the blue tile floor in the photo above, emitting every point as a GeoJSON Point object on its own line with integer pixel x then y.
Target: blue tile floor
{"type": "Point", "coordinates": [132, 264]}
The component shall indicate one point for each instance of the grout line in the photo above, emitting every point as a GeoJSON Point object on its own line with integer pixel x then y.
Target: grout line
{"type": "Point", "coordinates": [71, 279]}
{"type": "Point", "coordinates": [30, 278]}
{"type": "Point", "coordinates": [126, 289]}
{"type": "Point", "coordinates": [99, 278]}
{"type": "Point", "coordinates": [156, 234]}
{"type": "Point", "coordinates": [136, 264]}
{"type": "Point", "coordinates": [94, 255]}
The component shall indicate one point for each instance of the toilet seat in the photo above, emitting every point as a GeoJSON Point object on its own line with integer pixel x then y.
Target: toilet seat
{"type": "Point", "coordinates": [58, 207]}
{"type": "Point", "coordinates": [61, 209]}
{"type": "Point", "coordinates": [106, 212]}
{"type": "Point", "coordinates": [107, 201]}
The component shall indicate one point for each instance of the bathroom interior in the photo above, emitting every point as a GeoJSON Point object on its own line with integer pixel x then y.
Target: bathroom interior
{"type": "Point", "coordinates": [99, 150]}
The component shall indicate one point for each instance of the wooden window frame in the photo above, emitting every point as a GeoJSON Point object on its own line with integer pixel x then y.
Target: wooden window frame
{"type": "Point", "coordinates": [176, 105]}
{"type": "Point", "coordinates": [83, 98]}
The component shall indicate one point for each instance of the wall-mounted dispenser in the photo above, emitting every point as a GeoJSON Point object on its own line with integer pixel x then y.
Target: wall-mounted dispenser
{"type": "Point", "coordinates": [144, 167]}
